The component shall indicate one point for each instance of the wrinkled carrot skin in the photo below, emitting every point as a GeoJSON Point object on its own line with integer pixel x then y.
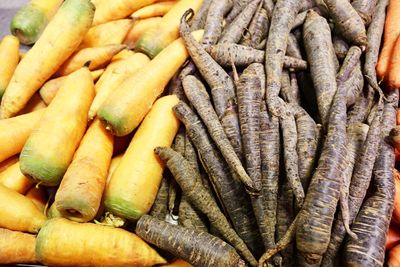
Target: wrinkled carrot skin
{"type": "Point", "coordinates": [159, 209]}
{"type": "Point", "coordinates": [365, 8]}
{"type": "Point", "coordinates": [17, 247]}
{"type": "Point", "coordinates": [189, 245]}
{"type": "Point", "coordinates": [258, 29]}
{"type": "Point", "coordinates": [214, 21]}
{"type": "Point", "coordinates": [200, 17]}
{"type": "Point", "coordinates": [236, 8]}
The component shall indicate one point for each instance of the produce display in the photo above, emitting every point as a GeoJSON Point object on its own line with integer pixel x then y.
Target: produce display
{"type": "Point", "coordinates": [201, 133]}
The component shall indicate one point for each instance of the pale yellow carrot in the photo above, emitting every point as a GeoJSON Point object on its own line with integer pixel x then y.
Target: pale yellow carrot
{"type": "Point", "coordinates": [9, 58]}
{"type": "Point", "coordinates": [16, 247]}
{"type": "Point", "coordinates": [13, 178]}
{"type": "Point", "coordinates": [153, 10]}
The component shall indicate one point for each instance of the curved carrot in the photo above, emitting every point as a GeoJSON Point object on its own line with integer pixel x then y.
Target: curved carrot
{"type": "Point", "coordinates": [13, 178]}
{"type": "Point", "coordinates": [9, 55]}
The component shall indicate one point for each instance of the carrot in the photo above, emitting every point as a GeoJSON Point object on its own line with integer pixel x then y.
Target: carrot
{"type": "Point", "coordinates": [190, 182]}
{"type": "Point", "coordinates": [365, 8]}
{"type": "Point", "coordinates": [17, 247]}
{"type": "Point", "coordinates": [340, 46]}
{"type": "Point", "coordinates": [390, 35]}
{"type": "Point", "coordinates": [51, 146]}
{"type": "Point", "coordinates": [393, 70]}
{"type": "Point", "coordinates": [18, 212]}
{"type": "Point", "coordinates": [107, 11]}
{"type": "Point", "coordinates": [30, 21]}
{"type": "Point", "coordinates": [258, 29]}
{"type": "Point", "coordinates": [60, 241]}
{"type": "Point", "coordinates": [86, 173]}
{"type": "Point", "coordinates": [123, 54]}
{"type": "Point", "coordinates": [47, 55]}
{"type": "Point", "coordinates": [113, 77]}
{"type": "Point", "coordinates": [396, 211]}
{"type": "Point", "coordinates": [7, 163]}
{"type": "Point", "coordinates": [38, 196]}
{"type": "Point", "coordinates": [53, 212]}
{"type": "Point", "coordinates": [379, 205]}
{"type": "Point", "coordinates": [200, 17]}
{"type": "Point", "coordinates": [214, 21]}
{"type": "Point", "coordinates": [234, 31]}
{"type": "Point", "coordinates": [159, 209]}
{"type": "Point", "coordinates": [195, 247]}
{"type": "Point", "coordinates": [355, 85]}
{"type": "Point", "coordinates": [175, 85]}
{"type": "Point", "coordinates": [97, 56]}
{"type": "Point", "coordinates": [194, 90]}
{"type": "Point", "coordinates": [13, 178]}
{"type": "Point", "coordinates": [112, 32]}
{"type": "Point", "coordinates": [229, 191]}
{"type": "Point", "coordinates": [35, 103]}
{"type": "Point", "coordinates": [235, 10]}
{"type": "Point", "coordinates": [9, 55]}
{"type": "Point", "coordinates": [140, 90]}
{"type": "Point", "coordinates": [394, 260]}
{"type": "Point", "coordinates": [177, 263]}
{"type": "Point", "coordinates": [134, 184]}
{"type": "Point", "coordinates": [15, 131]}
{"type": "Point", "coordinates": [393, 236]}
{"type": "Point", "coordinates": [138, 28]}
{"type": "Point", "coordinates": [244, 56]}
{"type": "Point", "coordinates": [153, 10]}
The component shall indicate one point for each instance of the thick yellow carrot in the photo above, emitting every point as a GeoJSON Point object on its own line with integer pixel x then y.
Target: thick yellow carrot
{"type": "Point", "coordinates": [124, 54]}
{"type": "Point", "coordinates": [50, 88]}
{"type": "Point", "coordinates": [153, 10]}
{"type": "Point", "coordinates": [15, 131]}
{"type": "Point", "coordinates": [112, 32]}
{"type": "Point", "coordinates": [117, 9]}
{"type": "Point", "coordinates": [135, 182]}
{"type": "Point", "coordinates": [58, 41]}
{"type": "Point", "coordinates": [13, 178]}
{"type": "Point", "coordinates": [114, 75]}
{"type": "Point", "coordinates": [37, 194]}
{"type": "Point", "coordinates": [97, 56]}
{"type": "Point", "coordinates": [16, 247]}
{"type": "Point", "coordinates": [113, 166]}
{"type": "Point", "coordinates": [7, 163]}
{"type": "Point", "coordinates": [138, 28]}
{"type": "Point", "coordinates": [35, 103]}
{"type": "Point", "coordinates": [79, 195]}
{"type": "Point", "coordinates": [17, 212]}
{"type": "Point", "coordinates": [9, 58]}
{"type": "Point", "coordinates": [154, 40]}
{"type": "Point", "coordinates": [126, 107]}
{"type": "Point", "coordinates": [51, 146]}
{"type": "Point", "coordinates": [65, 243]}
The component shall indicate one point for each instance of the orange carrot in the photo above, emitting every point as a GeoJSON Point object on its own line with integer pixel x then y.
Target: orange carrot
{"type": "Point", "coordinates": [15, 131]}
{"type": "Point", "coordinates": [38, 195]}
{"type": "Point", "coordinates": [396, 211]}
{"type": "Point", "coordinates": [177, 263]}
{"type": "Point", "coordinates": [390, 35]}
{"type": "Point", "coordinates": [13, 178]}
{"type": "Point", "coordinates": [393, 237]}
{"type": "Point", "coordinates": [394, 257]}
{"type": "Point", "coordinates": [138, 28]}
{"type": "Point", "coordinates": [16, 247]}
{"type": "Point", "coordinates": [393, 72]}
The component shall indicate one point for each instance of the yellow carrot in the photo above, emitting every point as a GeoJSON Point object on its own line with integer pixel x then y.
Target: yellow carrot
{"type": "Point", "coordinates": [124, 54]}
{"type": "Point", "coordinates": [127, 106]}
{"type": "Point", "coordinates": [37, 194]}
{"type": "Point", "coordinates": [35, 103]}
{"type": "Point", "coordinates": [138, 28]}
{"type": "Point", "coordinates": [97, 56]}
{"type": "Point", "coordinates": [9, 57]}
{"type": "Point", "coordinates": [50, 88]}
{"type": "Point", "coordinates": [30, 21]}
{"type": "Point", "coordinates": [156, 39]}
{"type": "Point", "coordinates": [15, 131]}
{"type": "Point", "coordinates": [113, 165]}
{"type": "Point", "coordinates": [16, 247]}
{"type": "Point", "coordinates": [53, 212]}
{"type": "Point", "coordinates": [117, 9]}
{"type": "Point", "coordinates": [13, 178]}
{"type": "Point", "coordinates": [112, 32]}
{"type": "Point", "coordinates": [79, 195]}
{"type": "Point", "coordinates": [7, 163]}
{"type": "Point", "coordinates": [113, 76]}
{"type": "Point", "coordinates": [17, 212]}
{"type": "Point", "coordinates": [177, 263]}
{"type": "Point", "coordinates": [65, 243]}
{"type": "Point", "coordinates": [153, 10]}
{"type": "Point", "coordinates": [51, 146]}
{"type": "Point", "coordinates": [135, 182]}
{"type": "Point", "coordinates": [58, 41]}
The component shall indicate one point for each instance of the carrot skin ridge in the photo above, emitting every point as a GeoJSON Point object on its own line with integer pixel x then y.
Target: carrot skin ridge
{"type": "Point", "coordinates": [159, 209]}
{"type": "Point", "coordinates": [258, 29]}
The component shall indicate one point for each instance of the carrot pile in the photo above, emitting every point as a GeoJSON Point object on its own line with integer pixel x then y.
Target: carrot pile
{"type": "Point", "coordinates": [201, 133]}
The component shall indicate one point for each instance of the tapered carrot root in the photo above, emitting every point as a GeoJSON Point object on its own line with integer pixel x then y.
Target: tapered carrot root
{"type": "Point", "coordinates": [79, 195]}
{"type": "Point", "coordinates": [59, 243]}
{"type": "Point", "coordinates": [38, 195]}
{"type": "Point", "coordinates": [18, 212]}
{"type": "Point", "coordinates": [9, 54]}
{"type": "Point", "coordinates": [190, 182]}
{"type": "Point", "coordinates": [190, 243]}
{"type": "Point", "coordinates": [17, 247]}
{"type": "Point", "coordinates": [153, 10]}
{"type": "Point", "coordinates": [13, 178]}
{"type": "Point", "coordinates": [74, 18]}
{"type": "Point", "coordinates": [50, 148]}
{"type": "Point", "coordinates": [113, 32]}
{"type": "Point", "coordinates": [138, 28]}
{"type": "Point", "coordinates": [97, 56]}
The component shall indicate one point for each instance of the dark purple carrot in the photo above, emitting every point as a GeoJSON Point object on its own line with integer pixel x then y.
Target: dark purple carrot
{"type": "Point", "coordinates": [199, 19]}
{"type": "Point", "coordinates": [230, 192]}
{"type": "Point", "coordinates": [307, 4]}
{"type": "Point", "coordinates": [293, 47]}
{"type": "Point", "coordinates": [283, 17]}
{"type": "Point", "coordinates": [192, 186]}
{"type": "Point", "coordinates": [319, 49]}
{"type": "Point", "coordinates": [373, 219]}
{"type": "Point", "coordinates": [160, 206]}
{"type": "Point", "coordinates": [258, 29]}
{"type": "Point", "coordinates": [238, 6]}
{"type": "Point", "coordinates": [347, 21]}
{"type": "Point", "coordinates": [175, 85]}
{"type": "Point", "coordinates": [233, 32]}
{"type": "Point", "coordinates": [195, 92]}
{"type": "Point", "coordinates": [340, 46]}
{"type": "Point", "coordinates": [196, 247]}
{"type": "Point", "coordinates": [230, 123]}
{"type": "Point", "coordinates": [358, 186]}
{"type": "Point", "coordinates": [354, 85]}
{"type": "Point", "coordinates": [361, 108]}
{"type": "Point", "coordinates": [350, 61]}
{"type": "Point", "coordinates": [214, 22]}
{"type": "Point", "coordinates": [365, 8]}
